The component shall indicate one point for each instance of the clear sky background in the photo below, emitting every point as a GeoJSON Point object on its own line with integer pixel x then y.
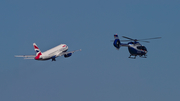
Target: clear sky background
{"type": "Point", "coordinates": [99, 72]}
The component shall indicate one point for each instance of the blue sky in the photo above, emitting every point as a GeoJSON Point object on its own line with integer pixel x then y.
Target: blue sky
{"type": "Point", "coordinates": [99, 72]}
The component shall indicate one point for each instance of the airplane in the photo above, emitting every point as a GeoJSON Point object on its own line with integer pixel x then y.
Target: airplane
{"type": "Point", "coordinates": [52, 53]}
{"type": "Point", "coordinates": [135, 48]}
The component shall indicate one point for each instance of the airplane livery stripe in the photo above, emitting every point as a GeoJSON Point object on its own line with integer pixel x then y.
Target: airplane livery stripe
{"type": "Point", "coordinates": [37, 57]}
{"type": "Point", "coordinates": [35, 47]}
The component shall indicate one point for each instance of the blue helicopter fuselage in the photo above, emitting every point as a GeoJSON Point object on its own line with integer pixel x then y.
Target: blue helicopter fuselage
{"type": "Point", "coordinates": [137, 49]}
{"type": "Point", "coordinates": [134, 47]}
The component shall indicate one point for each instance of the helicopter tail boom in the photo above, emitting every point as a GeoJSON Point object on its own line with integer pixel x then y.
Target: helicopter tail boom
{"type": "Point", "coordinates": [125, 45]}
{"type": "Point", "coordinates": [117, 43]}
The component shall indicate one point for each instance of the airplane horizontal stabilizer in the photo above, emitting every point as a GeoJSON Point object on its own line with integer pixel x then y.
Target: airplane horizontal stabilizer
{"type": "Point", "coordinates": [26, 56]}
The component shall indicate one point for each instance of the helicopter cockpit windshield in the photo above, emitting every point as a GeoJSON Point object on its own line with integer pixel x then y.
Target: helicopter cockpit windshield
{"type": "Point", "coordinates": [142, 48]}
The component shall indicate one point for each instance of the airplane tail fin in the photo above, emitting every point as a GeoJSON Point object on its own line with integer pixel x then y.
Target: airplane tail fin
{"type": "Point", "coordinates": [37, 50]}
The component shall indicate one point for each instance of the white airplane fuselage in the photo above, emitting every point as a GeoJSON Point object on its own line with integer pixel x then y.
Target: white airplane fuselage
{"type": "Point", "coordinates": [51, 53]}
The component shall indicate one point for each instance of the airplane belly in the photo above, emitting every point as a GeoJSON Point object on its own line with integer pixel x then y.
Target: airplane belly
{"type": "Point", "coordinates": [46, 57]}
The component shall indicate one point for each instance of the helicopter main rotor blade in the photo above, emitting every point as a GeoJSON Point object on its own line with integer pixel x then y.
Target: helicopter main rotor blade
{"type": "Point", "coordinates": [127, 38]}
{"type": "Point", "coordinates": [144, 41]}
{"type": "Point", "coordinates": [150, 38]}
{"type": "Point", "coordinates": [137, 40]}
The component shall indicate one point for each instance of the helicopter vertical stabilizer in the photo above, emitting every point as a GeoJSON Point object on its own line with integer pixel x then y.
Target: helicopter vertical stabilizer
{"type": "Point", "coordinates": [116, 42]}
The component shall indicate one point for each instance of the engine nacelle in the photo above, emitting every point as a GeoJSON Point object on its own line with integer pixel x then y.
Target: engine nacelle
{"type": "Point", "coordinates": [67, 55]}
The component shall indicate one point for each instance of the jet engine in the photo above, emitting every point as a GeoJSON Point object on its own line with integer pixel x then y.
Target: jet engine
{"type": "Point", "coordinates": [67, 55]}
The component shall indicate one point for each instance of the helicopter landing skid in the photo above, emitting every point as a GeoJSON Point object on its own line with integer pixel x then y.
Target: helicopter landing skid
{"type": "Point", "coordinates": [132, 57]}
{"type": "Point", "coordinates": [143, 56]}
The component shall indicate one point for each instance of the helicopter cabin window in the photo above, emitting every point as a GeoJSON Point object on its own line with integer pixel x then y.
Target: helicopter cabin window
{"type": "Point", "coordinates": [142, 48]}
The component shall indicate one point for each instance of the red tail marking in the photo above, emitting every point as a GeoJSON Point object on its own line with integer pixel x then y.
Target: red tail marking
{"type": "Point", "coordinates": [64, 46]}
{"type": "Point", "coordinates": [37, 57]}
{"type": "Point", "coordinates": [36, 47]}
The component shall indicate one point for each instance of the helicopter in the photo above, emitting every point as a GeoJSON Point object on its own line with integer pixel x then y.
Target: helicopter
{"type": "Point", "coordinates": [134, 47]}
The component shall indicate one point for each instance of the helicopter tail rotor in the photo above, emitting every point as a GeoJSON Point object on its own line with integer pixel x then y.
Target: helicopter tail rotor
{"type": "Point", "coordinates": [116, 42]}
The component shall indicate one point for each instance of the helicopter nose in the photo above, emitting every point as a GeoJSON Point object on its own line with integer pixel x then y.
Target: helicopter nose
{"type": "Point", "coordinates": [146, 51]}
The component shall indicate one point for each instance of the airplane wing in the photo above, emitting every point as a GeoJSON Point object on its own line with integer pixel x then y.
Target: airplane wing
{"type": "Point", "coordinates": [26, 56]}
{"type": "Point", "coordinates": [65, 53]}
